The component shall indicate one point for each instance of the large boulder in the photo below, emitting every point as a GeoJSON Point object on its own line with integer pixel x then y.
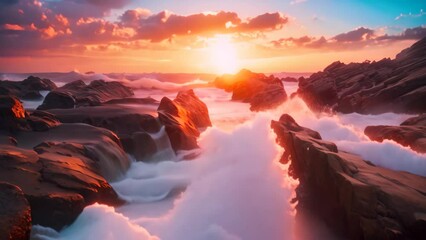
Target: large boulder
{"type": "Point", "coordinates": [12, 114]}
{"type": "Point", "coordinates": [260, 91]}
{"type": "Point", "coordinates": [15, 213]}
{"type": "Point", "coordinates": [411, 133]}
{"type": "Point", "coordinates": [58, 99]}
{"type": "Point", "coordinates": [77, 93]}
{"type": "Point", "coordinates": [125, 121]}
{"type": "Point", "coordinates": [182, 118]}
{"type": "Point", "coordinates": [28, 89]}
{"type": "Point", "coordinates": [397, 85]}
{"type": "Point", "coordinates": [354, 197]}
{"type": "Point", "coordinates": [61, 176]}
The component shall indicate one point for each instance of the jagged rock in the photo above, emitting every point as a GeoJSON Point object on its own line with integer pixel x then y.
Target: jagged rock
{"type": "Point", "coordinates": [61, 176]}
{"type": "Point", "coordinates": [15, 213]}
{"type": "Point", "coordinates": [12, 114]}
{"type": "Point", "coordinates": [197, 110]}
{"type": "Point", "coordinates": [397, 85]}
{"type": "Point", "coordinates": [411, 133]}
{"type": "Point", "coordinates": [182, 119]}
{"type": "Point", "coordinates": [77, 93]}
{"type": "Point", "coordinates": [64, 169]}
{"type": "Point", "coordinates": [42, 121]}
{"type": "Point", "coordinates": [260, 91]}
{"type": "Point", "coordinates": [354, 197]}
{"type": "Point", "coordinates": [28, 89]}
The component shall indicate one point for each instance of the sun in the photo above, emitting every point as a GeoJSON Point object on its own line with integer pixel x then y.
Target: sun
{"type": "Point", "coordinates": [223, 55]}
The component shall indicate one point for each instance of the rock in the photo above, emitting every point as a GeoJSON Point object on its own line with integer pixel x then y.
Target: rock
{"type": "Point", "coordinates": [42, 121]}
{"type": "Point", "coordinates": [418, 121]}
{"type": "Point", "coordinates": [143, 146]}
{"type": "Point", "coordinates": [181, 130]}
{"type": "Point", "coordinates": [15, 213]}
{"type": "Point", "coordinates": [28, 89]}
{"type": "Point", "coordinates": [396, 85]}
{"type": "Point", "coordinates": [411, 133]}
{"type": "Point", "coordinates": [36, 83]}
{"type": "Point", "coordinates": [197, 110]}
{"type": "Point", "coordinates": [182, 119]}
{"type": "Point", "coordinates": [125, 121]}
{"type": "Point", "coordinates": [289, 79]}
{"type": "Point", "coordinates": [147, 100]}
{"type": "Point", "coordinates": [12, 114]}
{"type": "Point", "coordinates": [354, 197]}
{"type": "Point", "coordinates": [260, 91]}
{"type": "Point", "coordinates": [77, 93]}
{"type": "Point", "coordinates": [57, 99]}
{"type": "Point", "coordinates": [61, 176]}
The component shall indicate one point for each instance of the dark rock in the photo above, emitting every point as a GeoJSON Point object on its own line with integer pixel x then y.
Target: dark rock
{"type": "Point", "coordinates": [289, 79]}
{"type": "Point", "coordinates": [147, 100]}
{"type": "Point", "coordinates": [77, 93]}
{"type": "Point", "coordinates": [144, 146]}
{"type": "Point", "coordinates": [12, 114]}
{"type": "Point", "coordinates": [354, 197]}
{"type": "Point", "coordinates": [28, 89]}
{"type": "Point", "coordinates": [411, 133]}
{"type": "Point", "coordinates": [59, 179]}
{"type": "Point", "coordinates": [260, 91]}
{"type": "Point", "coordinates": [122, 120]}
{"type": "Point", "coordinates": [42, 121]}
{"type": "Point", "coordinates": [57, 99]}
{"type": "Point", "coordinates": [64, 169]}
{"type": "Point", "coordinates": [36, 83]}
{"type": "Point", "coordinates": [15, 213]}
{"type": "Point", "coordinates": [397, 85]}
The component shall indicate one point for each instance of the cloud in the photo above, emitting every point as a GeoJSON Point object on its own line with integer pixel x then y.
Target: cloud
{"type": "Point", "coordinates": [165, 25]}
{"type": "Point", "coordinates": [410, 15]}
{"type": "Point", "coordinates": [267, 21]}
{"type": "Point", "coordinates": [358, 34]}
{"type": "Point", "coordinates": [408, 34]}
{"type": "Point", "coordinates": [354, 39]}
{"type": "Point", "coordinates": [28, 27]}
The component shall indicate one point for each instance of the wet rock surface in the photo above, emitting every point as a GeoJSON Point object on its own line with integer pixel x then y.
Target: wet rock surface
{"type": "Point", "coordinates": [411, 133]}
{"type": "Point", "coordinates": [354, 197]}
{"type": "Point", "coordinates": [397, 85]}
{"type": "Point", "coordinates": [15, 213]}
{"type": "Point", "coordinates": [77, 93]}
{"type": "Point", "coordinates": [28, 89]}
{"type": "Point", "coordinates": [260, 91]}
{"type": "Point", "coordinates": [182, 119]}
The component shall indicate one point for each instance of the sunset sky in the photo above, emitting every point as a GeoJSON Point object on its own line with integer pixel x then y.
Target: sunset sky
{"type": "Point", "coordinates": [202, 36]}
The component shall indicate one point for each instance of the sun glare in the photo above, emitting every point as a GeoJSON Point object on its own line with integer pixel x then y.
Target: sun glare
{"type": "Point", "coordinates": [223, 55]}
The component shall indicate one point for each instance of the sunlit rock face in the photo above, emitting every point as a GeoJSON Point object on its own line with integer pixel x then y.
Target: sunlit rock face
{"type": "Point", "coordinates": [28, 89]}
{"type": "Point", "coordinates": [182, 119]}
{"type": "Point", "coordinates": [356, 198]}
{"type": "Point", "coordinates": [397, 85]}
{"type": "Point", "coordinates": [260, 91]}
{"type": "Point", "coordinates": [411, 132]}
{"type": "Point", "coordinates": [59, 179]}
{"type": "Point", "coordinates": [15, 212]}
{"type": "Point", "coordinates": [77, 94]}
{"type": "Point", "coordinates": [12, 114]}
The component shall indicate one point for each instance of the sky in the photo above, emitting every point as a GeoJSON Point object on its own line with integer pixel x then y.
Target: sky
{"type": "Point", "coordinates": [218, 36]}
